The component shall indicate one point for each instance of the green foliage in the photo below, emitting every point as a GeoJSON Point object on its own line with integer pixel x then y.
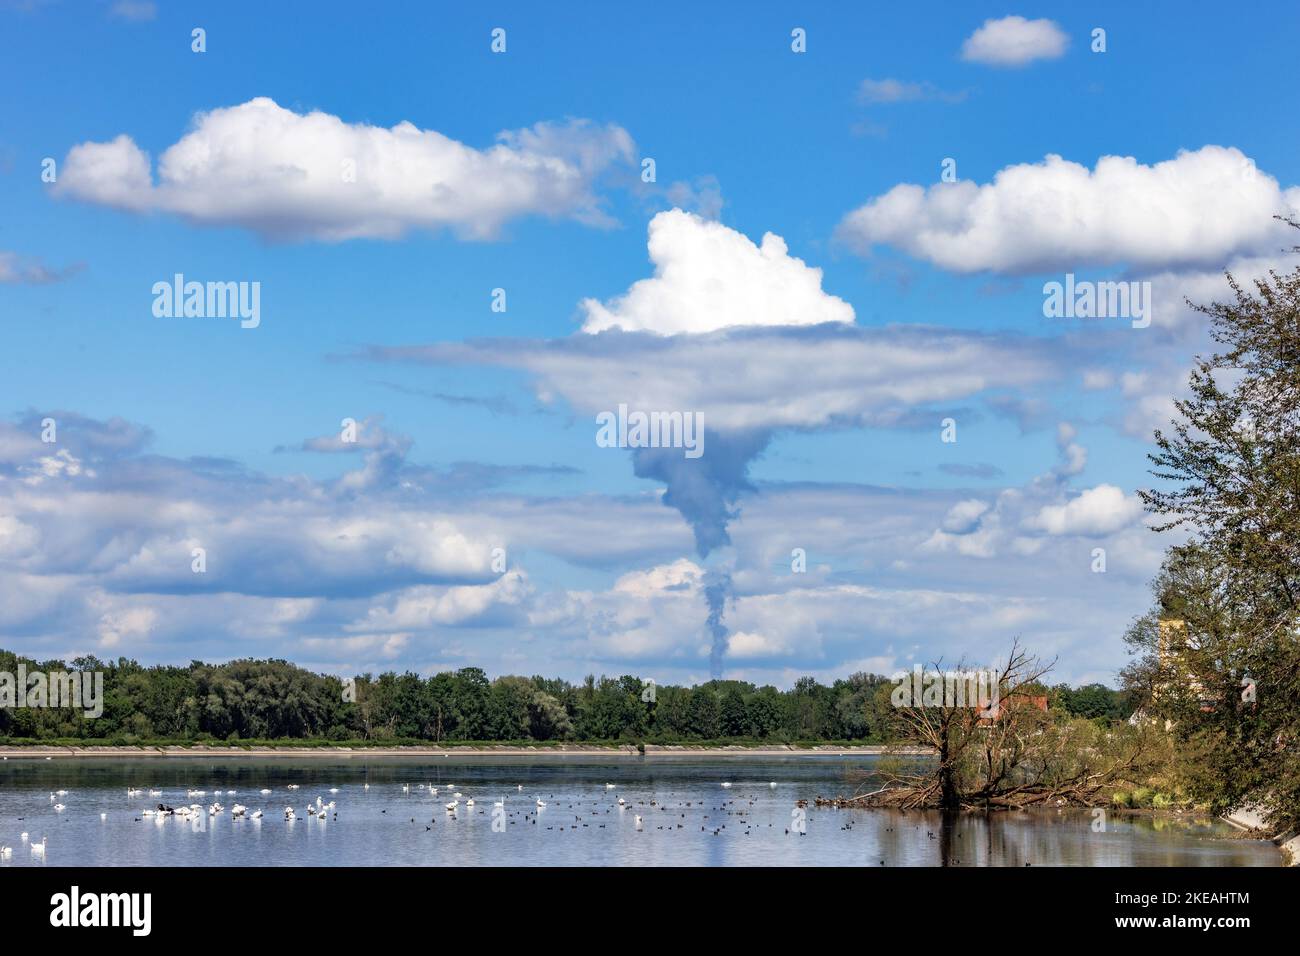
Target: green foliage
{"type": "Point", "coordinates": [250, 703]}
{"type": "Point", "coordinates": [1219, 661]}
{"type": "Point", "coordinates": [1092, 701]}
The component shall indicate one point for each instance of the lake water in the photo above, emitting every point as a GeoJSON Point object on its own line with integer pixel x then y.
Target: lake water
{"type": "Point", "coordinates": [688, 818]}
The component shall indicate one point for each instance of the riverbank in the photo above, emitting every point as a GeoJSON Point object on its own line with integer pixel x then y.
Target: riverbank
{"type": "Point", "coordinates": [37, 752]}
{"type": "Point", "coordinates": [1251, 820]}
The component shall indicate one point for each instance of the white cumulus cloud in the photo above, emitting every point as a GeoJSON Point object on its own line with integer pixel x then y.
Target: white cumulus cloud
{"type": "Point", "coordinates": [1198, 209]}
{"type": "Point", "coordinates": [1102, 510]}
{"type": "Point", "coordinates": [709, 277]}
{"type": "Point", "coordinates": [747, 644]}
{"type": "Point", "coordinates": [288, 175]}
{"type": "Point", "coordinates": [1014, 41]}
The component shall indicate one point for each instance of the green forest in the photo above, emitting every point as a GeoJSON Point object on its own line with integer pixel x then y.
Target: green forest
{"type": "Point", "coordinates": [274, 700]}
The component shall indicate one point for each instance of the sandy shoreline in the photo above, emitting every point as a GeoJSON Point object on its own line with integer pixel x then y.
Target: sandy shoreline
{"type": "Point", "coordinates": [336, 753]}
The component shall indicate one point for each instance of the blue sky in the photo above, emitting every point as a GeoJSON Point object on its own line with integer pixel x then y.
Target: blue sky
{"type": "Point", "coordinates": [478, 426]}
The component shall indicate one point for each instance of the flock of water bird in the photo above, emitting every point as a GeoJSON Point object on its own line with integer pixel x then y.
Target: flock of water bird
{"type": "Point", "coordinates": [322, 810]}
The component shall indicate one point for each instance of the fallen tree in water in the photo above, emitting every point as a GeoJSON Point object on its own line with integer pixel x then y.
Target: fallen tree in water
{"type": "Point", "coordinates": [1002, 749]}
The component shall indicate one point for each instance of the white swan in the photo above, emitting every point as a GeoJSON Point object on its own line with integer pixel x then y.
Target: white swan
{"type": "Point", "coordinates": [406, 788]}
{"type": "Point", "coordinates": [256, 814]}
{"type": "Point", "coordinates": [132, 792]}
{"type": "Point", "coordinates": [6, 852]}
{"type": "Point", "coordinates": [520, 787]}
{"type": "Point", "coordinates": [638, 821]}
{"type": "Point", "coordinates": [103, 816]}
{"type": "Point", "coordinates": [38, 849]}
{"type": "Point", "coordinates": [541, 802]}
{"type": "Point", "coordinates": [622, 802]}
{"type": "Point", "coordinates": [155, 793]}
{"type": "Point", "coordinates": [772, 784]}
{"type": "Point", "coordinates": [265, 792]}
{"type": "Point", "coordinates": [23, 836]}
{"type": "Point", "coordinates": [59, 808]}
{"type": "Point", "coordinates": [457, 794]}
{"type": "Point", "coordinates": [367, 787]}
{"type": "Point", "coordinates": [726, 786]}
{"type": "Point", "coordinates": [292, 786]}
{"type": "Point", "coordinates": [334, 789]}
{"type": "Point", "coordinates": [609, 786]}
{"type": "Point", "coordinates": [451, 807]}
{"type": "Point", "coordinates": [469, 802]}
{"type": "Point", "coordinates": [500, 803]}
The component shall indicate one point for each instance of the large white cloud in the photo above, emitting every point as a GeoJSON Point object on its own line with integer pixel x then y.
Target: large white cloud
{"type": "Point", "coordinates": [1014, 41]}
{"type": "Point", "coordinates": [99, 561]}
{"type": "Point", "coordinates": [744, 379]}
{"type": "Point", "coordinates": [734, 331]}
{"type": "Point", "coordinates": [290, 175]}
{"type": "Point", "coordinates": [646, 615]}
{"type": "Point", "coordinates": [426, 606]}
{"type": "Point", "coordinates": [1102, 510]}
{"type": "Point", "coordinates": [1199, 209]}
{"type": "Point", "coordinates": [710, 277]}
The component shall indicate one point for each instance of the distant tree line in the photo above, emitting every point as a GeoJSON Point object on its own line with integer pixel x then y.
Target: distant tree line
{"type": "Point", "coordinates": [274, 699]}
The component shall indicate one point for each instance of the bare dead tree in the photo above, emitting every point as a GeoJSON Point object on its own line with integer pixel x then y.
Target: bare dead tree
{"type": "Point", "coordinates": [1010, 754]}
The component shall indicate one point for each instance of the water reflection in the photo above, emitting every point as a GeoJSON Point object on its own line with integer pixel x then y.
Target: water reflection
{"type": "Point", "coordinates": [387, 813]}
{"type": "Point", "coordinates": [1070, 838]}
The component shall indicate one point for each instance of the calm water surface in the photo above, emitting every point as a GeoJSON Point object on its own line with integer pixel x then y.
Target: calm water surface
{"type": "Point", "coordinates": [693, 820]}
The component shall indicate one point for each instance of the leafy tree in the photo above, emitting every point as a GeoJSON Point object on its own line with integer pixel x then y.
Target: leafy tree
{"type": "Point", "coordinates": [1226, 601]}
{"type": "Point", "coordinates": [732, 713]}
{"type": "Point", "coordinates": [763, 712]}
{"type": "Point", "coordinates": [508, 708]}
{"type": "Point", "coordinates": [705, 714]}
